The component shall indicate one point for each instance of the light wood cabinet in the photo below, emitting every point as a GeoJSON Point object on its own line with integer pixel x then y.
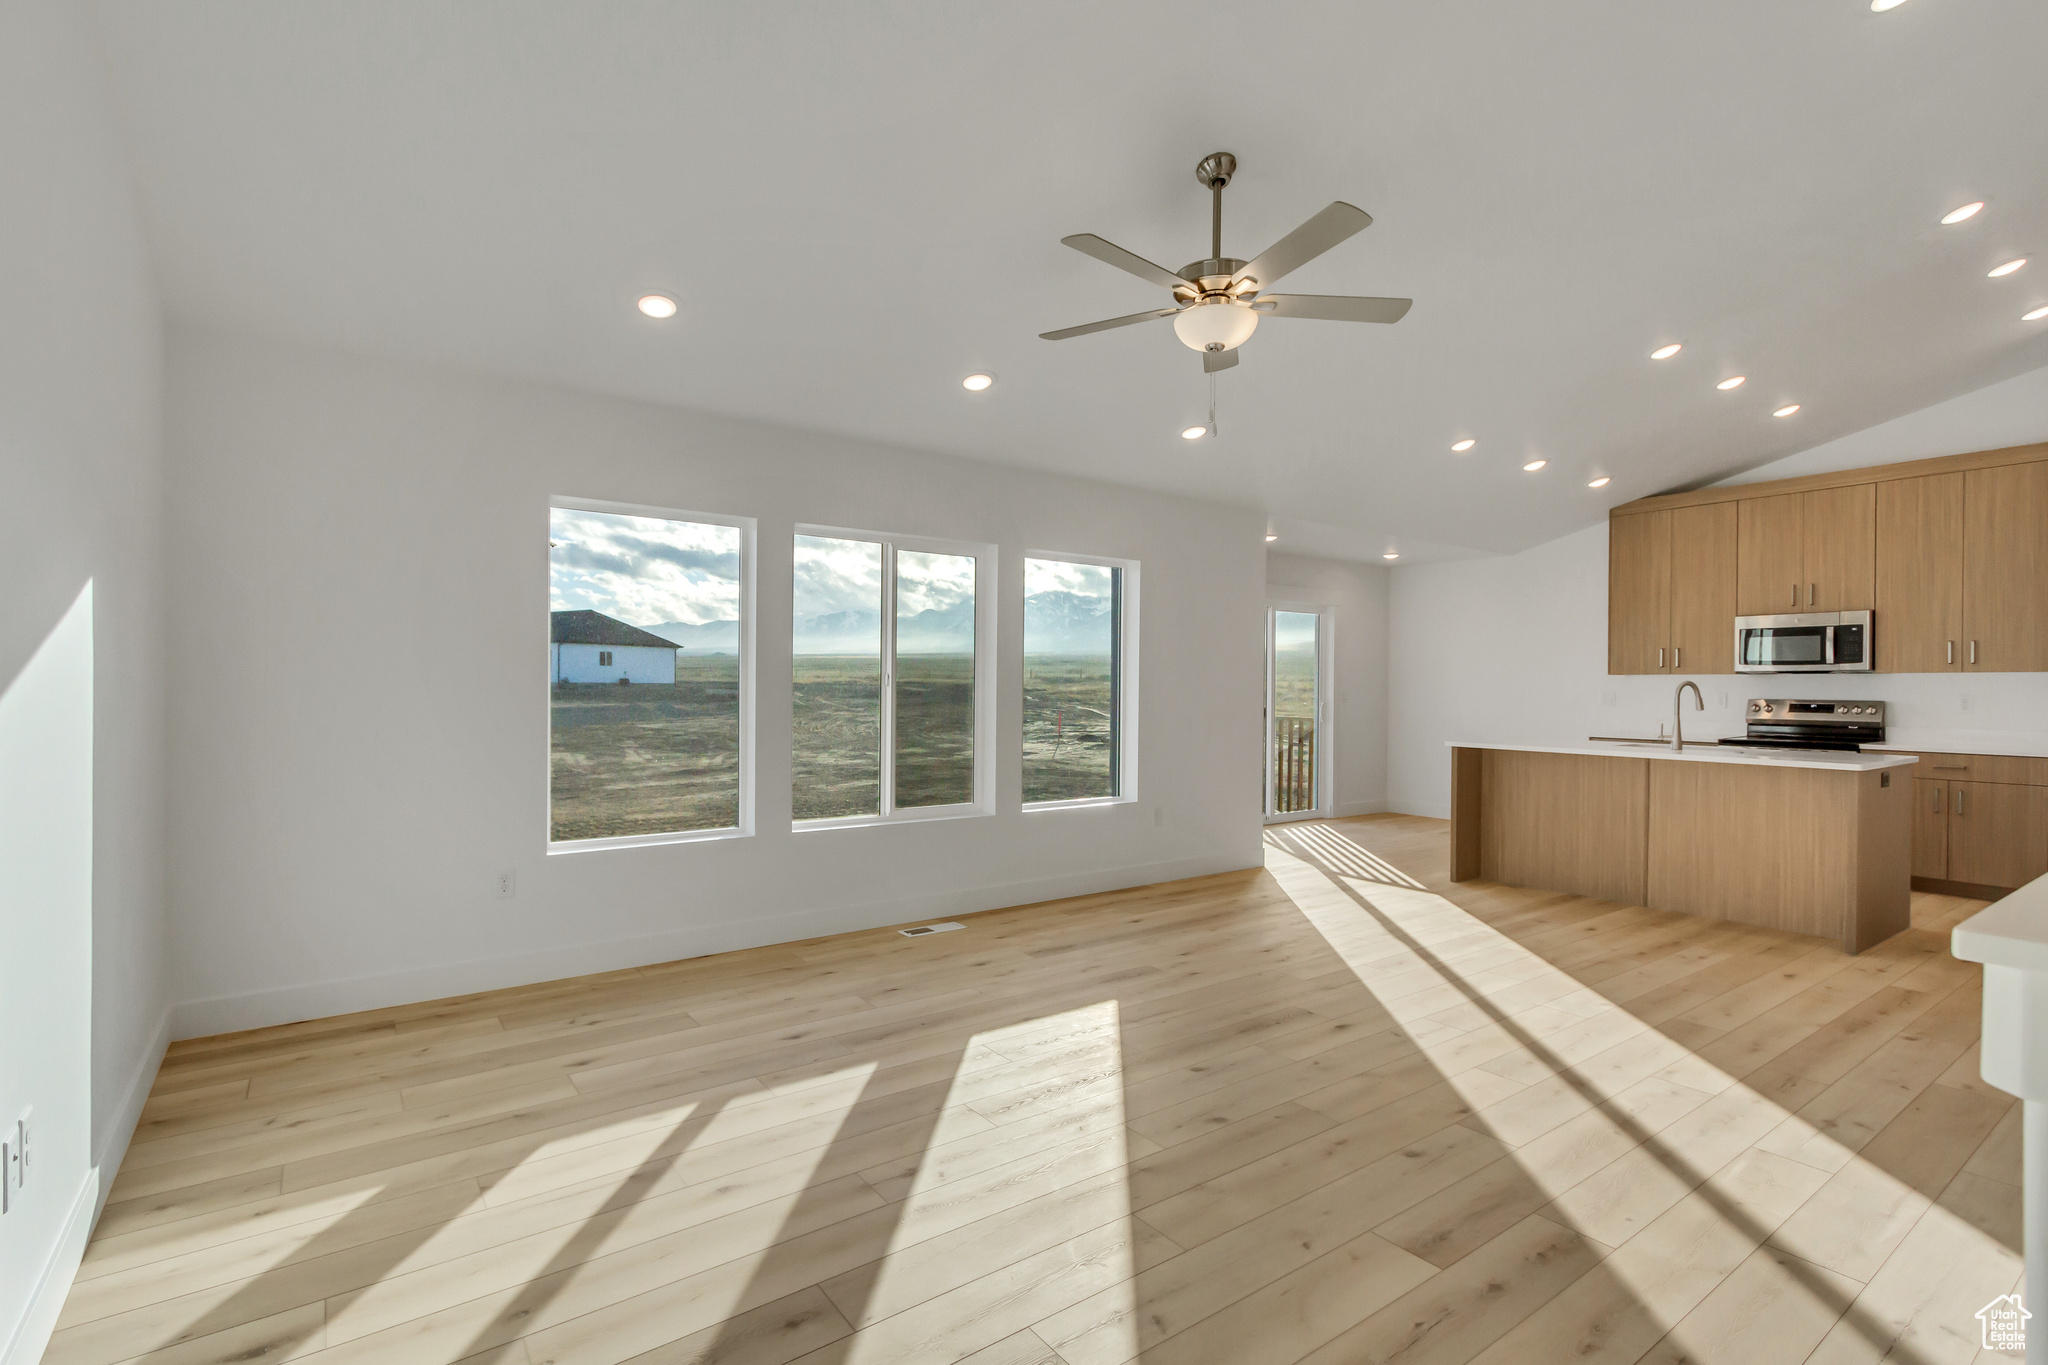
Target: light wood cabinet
{"type": "Point", "coordinates": [1639, 594]}
{"type": "Point", "coordinates": [1930, 829]}
{"type": "Point", "coordinates": [1807, 551]}
{"type": "Point", "coordinates": [1771, 555]}
{"type": "Point", "coordinates": [2005, 569]}
{"type": "Point", "coordinates": [1920, 575]}
{"type": "Point", "coordinates": [1997, 834]}
{"type": "Point", "coordinates": [1703, 588]}
{"type": "Point", "coordinates": [1841, 548]}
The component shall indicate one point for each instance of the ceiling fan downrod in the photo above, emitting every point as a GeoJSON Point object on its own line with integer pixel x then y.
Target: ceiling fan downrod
{"type": "Point", "coordinates": [1215, 171]}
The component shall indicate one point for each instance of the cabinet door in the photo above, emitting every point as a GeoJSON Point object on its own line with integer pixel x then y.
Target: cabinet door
{"type": "Point", "coordinates": [1919, 626]}
{"type": "Point", "coordinates": [1703, 588]}
{"type": "Point", "coordinates": [1841, 548]}
{"type": "Point", "coordinates": [1930, 829]}
{"type": "Point", "coordinates": [1997, 834]}
{"type": "Point", "coordinates": [1771, 555]}
{"type": "Point", "coordinates": [1639, 593]}
{"type": "Point", "coordinates": [2005, 569]}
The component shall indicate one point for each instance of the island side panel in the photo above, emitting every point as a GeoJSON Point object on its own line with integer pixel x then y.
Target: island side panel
{"type": "Point", "coordinates": [1565, 822]}
{"type": "Point", "coordinates": [1884, 858]}
{"type": "Point", "coordinates": [1770, 846]}
{"type": "Point", "coordinates": [1466, 785]}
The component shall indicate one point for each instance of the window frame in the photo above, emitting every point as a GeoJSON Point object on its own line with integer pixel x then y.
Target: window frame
{"type": "Point", "coordinates": [985, 596]}
{"type": "Point", "coordinates": [1124, 688]}
{"type": "Point", "coordinates": [745, 829]}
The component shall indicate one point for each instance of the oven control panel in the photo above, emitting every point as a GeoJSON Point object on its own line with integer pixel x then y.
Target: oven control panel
{"type": "Point", "coordinates": [1781, 710]}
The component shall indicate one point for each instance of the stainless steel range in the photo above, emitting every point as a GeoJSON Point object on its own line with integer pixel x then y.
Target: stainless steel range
{"type": "Point", "coordinates": [1779, 723]}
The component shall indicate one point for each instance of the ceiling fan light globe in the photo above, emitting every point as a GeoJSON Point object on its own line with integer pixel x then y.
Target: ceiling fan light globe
{"type": "Point", "coordinates": [1215, 324]}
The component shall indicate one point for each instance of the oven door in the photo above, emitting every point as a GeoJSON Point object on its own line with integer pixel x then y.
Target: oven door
{"type": "Point", "coordinates": [1808, 643]}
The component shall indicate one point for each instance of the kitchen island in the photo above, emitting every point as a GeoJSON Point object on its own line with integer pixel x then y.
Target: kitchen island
{"type": "Point", "coordinates": [1809, 841]}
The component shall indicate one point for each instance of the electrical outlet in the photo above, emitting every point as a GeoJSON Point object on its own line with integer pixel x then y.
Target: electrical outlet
{"type": "Point", "coordinates": [1610, 698]}
{"type": "Point", "coordinates": [508, 885]}
{"type": "Point", "coordinates": [1967, 704]}
{"type": "Point", "coordinates": [1723, 703]}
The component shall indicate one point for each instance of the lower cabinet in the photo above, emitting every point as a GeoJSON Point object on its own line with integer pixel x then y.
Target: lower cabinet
{"type": "Point", "coordinates": [1980, 833]}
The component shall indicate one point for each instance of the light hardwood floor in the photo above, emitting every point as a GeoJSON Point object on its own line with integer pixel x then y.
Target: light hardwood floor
{"type": "Point", "coordinates": [1335, 1111]}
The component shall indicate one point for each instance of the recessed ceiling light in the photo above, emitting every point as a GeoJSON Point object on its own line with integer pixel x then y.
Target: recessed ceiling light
{"type": "Point", "coordinates": [1957, 215]}
{"type": "Point", "coordinates": [1194, 433]}
{"type": "Point", "coordinates": [2034, 316]}
{"type": "Point", "coordinates": [658, 306]}
{"type": "Point", "coordinates": [975, 383]}
{"type": "Point", "coordinates": [1734, 382]}
{"type": "Point", "coordinates": [2008, 267]}
{"type": "Point", "coordinates": [1462, 446]}
{"type": "Point", "coordinates": [1666, 352]}
{"type": "Point", "coordinates": [1880, 6]}
{"type": "Point", "coordinates": [1271, 538]}
{"type": "Point", "coordinates": [1787, 410]}
{"type": "Point", "coordinates": [1600, 482]}
{"type": "Point", "coordinates": [1391, 554]}
{"type": "Point", "coordinates": [1534, 465]}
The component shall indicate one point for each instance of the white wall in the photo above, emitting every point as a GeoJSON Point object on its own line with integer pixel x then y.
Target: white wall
{"type": "Point", "coordinates": [81, 902]}
{"type": "Point", "coordinates": [337, 836]}
{"type": "Point", "coordinates": [1357, 595]}
{"type": "Point", "coordinates": [1515, 648]}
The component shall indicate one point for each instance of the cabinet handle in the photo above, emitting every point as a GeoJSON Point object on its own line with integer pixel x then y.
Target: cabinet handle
{"type": "Point", "coordinates": [1812, 593]}
{"type": "Point", "coordinates": [1937, 800]}
{"type": "Point", "coordinates": [1660, 656]}
{"type": "Point", "coordinates": [1973, 651]}
{"type": "Point", "coordinates": [1795, 594]}
{"type": "Point", "coordinates": [1676, 651]}
{"type": "Point", "coordinates": [1959, 800]}
{"type": "Point", "coordinates": [1951, 651]}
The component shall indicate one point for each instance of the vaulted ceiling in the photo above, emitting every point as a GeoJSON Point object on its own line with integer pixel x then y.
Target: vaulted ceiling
{"type": "Point", "coordinates": [856, 205]}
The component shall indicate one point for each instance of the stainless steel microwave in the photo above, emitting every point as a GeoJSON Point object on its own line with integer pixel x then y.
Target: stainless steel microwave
{"type": "Point", "coordinates": [1810, 642]}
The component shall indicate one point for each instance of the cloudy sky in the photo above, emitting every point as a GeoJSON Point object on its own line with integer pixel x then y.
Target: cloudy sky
{"type": "Point", "coordinates": [644, 570]}
{"type": "Point", "coordinates": [1054, 575]}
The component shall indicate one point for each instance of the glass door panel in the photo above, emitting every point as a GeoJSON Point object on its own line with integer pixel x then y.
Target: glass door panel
{"type": "Point", "coordinates": [1294, 709]}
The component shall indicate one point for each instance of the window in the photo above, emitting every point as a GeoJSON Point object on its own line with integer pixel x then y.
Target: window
{"type": "Point", "coordinates": [658, 601]}
{"type": "Point", "coordinates": [1076, 663]}
{"type": "Point", "coordinates": [887, 669]}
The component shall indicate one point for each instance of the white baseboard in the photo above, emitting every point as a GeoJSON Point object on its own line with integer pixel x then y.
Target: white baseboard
{"type": "Point", "coordinates": [321, 999]}
{"type": "Point", "coordinates": [1345, 808]}
{"type": "Point", "coordinates": [113, 1145]}
{"type": "Point", "coordinates": [30, 1335]}
{"type": "Point", "coordinates": [1430, 809]}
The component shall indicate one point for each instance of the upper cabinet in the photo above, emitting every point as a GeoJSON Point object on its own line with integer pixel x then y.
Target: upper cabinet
{"type": "Point", "coordinates": [1920, 575]}
{"type": "Point", "coordinates": [1671, 591]}
{"type": "Point", "coordinates": [1951, 554]}
{"type": "Point", "coordinates": [1807, 552]}
{"type": "Point", "coordinates": [2005, 569]}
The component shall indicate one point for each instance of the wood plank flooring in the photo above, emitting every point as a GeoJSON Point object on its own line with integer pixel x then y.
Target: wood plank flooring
{"type": "Point", "coordinates": [1338, 1110]}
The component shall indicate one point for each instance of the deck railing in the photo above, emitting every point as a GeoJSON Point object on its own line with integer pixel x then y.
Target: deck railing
{"type": "Point", "coordinates": [1294, 764]}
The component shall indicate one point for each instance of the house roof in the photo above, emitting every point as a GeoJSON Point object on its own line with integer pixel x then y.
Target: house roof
{"type": "Point", "coordinates": [595, 628]}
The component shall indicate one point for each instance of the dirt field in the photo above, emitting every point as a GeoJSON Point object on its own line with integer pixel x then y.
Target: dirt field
{"type": "Point", "coordinates": [644, 759]}
{"type": "Point", "coordinates": [1066, 727]}
{"type": "Point", "coordinates": [837, 758]}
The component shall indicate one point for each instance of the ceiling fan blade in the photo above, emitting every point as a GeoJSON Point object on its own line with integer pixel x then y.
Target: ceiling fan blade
{"type": "Point", "coordinates": [1334, 307]}
{"type": "Point", "coordinates": [1305, 243]}
{"type": "Point", "coordinates": [1088, 244]}
{"type": "Point", "coordinates": [1213, 361]}
{"type": "Point", "coordinates": [1085, 328]}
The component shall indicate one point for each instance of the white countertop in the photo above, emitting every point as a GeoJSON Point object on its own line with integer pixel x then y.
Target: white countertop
{"type": "Point", "coordinates": [2006, 743]}
{"type": "Point", "coordinates": [2012, 932]}
{"type": "Point", "coordinates": [1706, 751]}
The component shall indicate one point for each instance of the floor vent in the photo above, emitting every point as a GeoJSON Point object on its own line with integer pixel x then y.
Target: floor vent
{"type": "Point", "coordinates": [921, 930]}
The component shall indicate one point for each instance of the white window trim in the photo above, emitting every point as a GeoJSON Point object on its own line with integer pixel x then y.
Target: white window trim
{"type": "Point", "coordinates": [1326, 688]}
{"type": "Point", "coordinates": [985, 576]}
{"type": "Point", "coordinates": [747, 527]}
{"type": "Point", "coordinates": [1127, 692]}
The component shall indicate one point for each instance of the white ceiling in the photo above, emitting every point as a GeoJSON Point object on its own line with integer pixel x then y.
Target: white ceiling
{"type": "Point", "coordinates": [859, 204]}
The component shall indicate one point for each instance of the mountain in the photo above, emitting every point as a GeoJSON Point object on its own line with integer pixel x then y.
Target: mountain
{"type": "Point", "coordinates": [945, 630]}
{"type": "Point", "coordinates": [710, 637]}
{"type": "Point", "coordinates": [839, 632]}
{"type": "Point", "coordinates": [1066, 623]}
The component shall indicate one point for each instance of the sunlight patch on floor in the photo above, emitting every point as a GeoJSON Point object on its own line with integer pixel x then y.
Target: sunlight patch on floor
{"type": "Point", "coordinates": [1707, 1169]}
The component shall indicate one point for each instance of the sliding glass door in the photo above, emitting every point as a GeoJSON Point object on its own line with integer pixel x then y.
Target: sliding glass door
{"type": "Point", "coordinates": [1297, 778]}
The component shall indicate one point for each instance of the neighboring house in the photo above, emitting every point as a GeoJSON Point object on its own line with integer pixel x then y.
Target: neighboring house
{"type": "Point", "coordinates": [590, 647]}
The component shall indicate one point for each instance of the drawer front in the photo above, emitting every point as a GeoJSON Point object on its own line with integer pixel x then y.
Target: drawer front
{"type": "Point", "coordinates": [2021, 772]}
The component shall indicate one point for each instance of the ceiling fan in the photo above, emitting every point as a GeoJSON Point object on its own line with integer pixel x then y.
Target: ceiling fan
{"type": "Point", "coordinates": [1217, 302]}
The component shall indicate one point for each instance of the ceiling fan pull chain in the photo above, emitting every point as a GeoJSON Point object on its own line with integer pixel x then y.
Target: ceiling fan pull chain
{"type": "Point", "coordinates": [1212, 405]}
